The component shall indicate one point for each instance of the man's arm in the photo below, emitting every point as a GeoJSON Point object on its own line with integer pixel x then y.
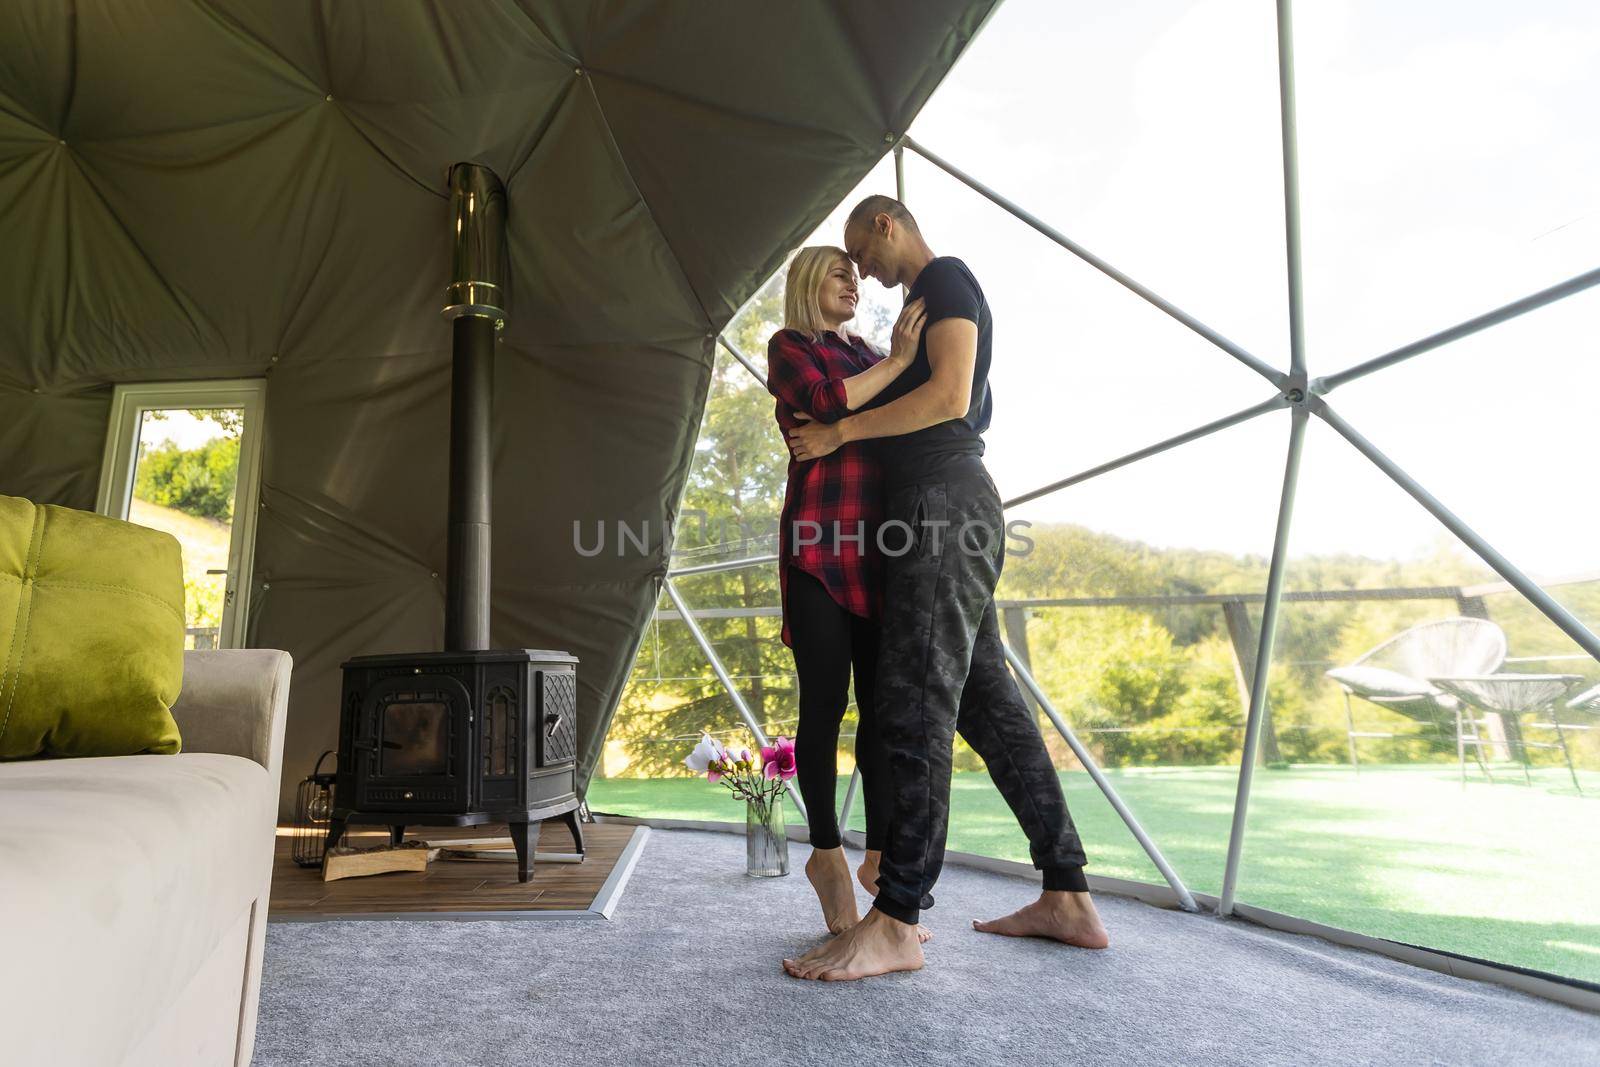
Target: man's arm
{"type": "Point", "coordinates": [794, 378]}
{"type": "Point", "coordinates": [946, 395]}
{"type": "Point", "coordinates": [875, 379]}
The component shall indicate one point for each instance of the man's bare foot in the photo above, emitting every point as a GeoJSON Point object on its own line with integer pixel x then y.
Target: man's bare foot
{"type": "Point", "coordinates": [829, 872]}
{"type": "Point", "coordinates": [867, 875]}
{"type": "Point", "coordinates": [875, 945]}
{"type": "Point", "coordinates": [1066, 917]}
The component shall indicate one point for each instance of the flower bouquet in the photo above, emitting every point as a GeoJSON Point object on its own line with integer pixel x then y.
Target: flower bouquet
{"type": "Point", "coordinates": [761, 786]}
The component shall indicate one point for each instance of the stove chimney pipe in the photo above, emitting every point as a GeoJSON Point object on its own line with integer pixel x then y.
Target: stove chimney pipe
{"type": "Point", "coordinates": [476, 300]}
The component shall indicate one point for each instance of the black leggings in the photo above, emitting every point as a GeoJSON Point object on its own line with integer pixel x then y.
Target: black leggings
{"type": "Point", "coordinates": [828, 642]}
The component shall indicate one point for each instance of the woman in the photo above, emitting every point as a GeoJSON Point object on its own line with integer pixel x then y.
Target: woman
{"type": "Point", "coordinates": [828, 566]}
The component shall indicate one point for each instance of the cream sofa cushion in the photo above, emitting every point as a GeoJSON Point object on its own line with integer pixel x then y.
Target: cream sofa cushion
{"type": "Point", "coordinates": [118, 877]}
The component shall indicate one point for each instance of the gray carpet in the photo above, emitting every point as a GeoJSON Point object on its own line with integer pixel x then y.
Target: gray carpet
{"type": "Point", "coordinates": [688, 972]}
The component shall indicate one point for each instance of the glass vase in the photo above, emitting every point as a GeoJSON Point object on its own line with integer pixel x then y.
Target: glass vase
{"type": "Point", "coordinates": [766, 840]}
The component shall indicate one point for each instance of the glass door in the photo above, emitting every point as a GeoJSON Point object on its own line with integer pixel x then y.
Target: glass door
{"type": "Point", "coordinates": [183, 457]}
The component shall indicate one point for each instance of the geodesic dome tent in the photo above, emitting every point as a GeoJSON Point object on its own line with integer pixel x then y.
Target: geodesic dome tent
{"type": "Point", "coordinates": [232, 190]}
{"type": "Point", "coordinates": [276, 211]}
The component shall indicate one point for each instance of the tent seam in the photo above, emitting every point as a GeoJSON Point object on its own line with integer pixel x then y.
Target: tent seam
{"type": "Point", "coordinates": [189, 309]}
{"type": "Point", "coordinates": [627, 172]}
{"type": "Point", "coordinates": [381, 154]}
{"type": "Point", "coordinates": [309, 84]}
{"type": "Point", "coordinates": [727, 112]}
{"type": "Point", "coordinates": [539, 135]}
{"type": "Point", "coordinates": [951, 66]}
{"type": "Point", "coordinates": [288, 113]}
{"type": "Point", "coordinates": [72, 69]}
{"type": "Point", "coordinates": [540, 36]}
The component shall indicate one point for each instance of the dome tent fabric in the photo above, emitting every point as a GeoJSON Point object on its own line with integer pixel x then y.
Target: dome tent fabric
{"type": "Point", "coordinates": [228, 190]}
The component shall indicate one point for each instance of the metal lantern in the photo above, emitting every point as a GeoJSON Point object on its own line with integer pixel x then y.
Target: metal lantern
{"type": "Point", "coordinates": [313, 805]}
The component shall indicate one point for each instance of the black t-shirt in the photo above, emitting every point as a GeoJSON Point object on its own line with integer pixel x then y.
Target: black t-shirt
{"type": "Point", "coordinates": [950, 292]}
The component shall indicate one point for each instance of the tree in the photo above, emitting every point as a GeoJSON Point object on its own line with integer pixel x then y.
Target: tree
{"type": "Point", "coordinates": [198, 481]}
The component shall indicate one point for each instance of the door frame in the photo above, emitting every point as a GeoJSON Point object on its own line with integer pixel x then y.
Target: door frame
{"type": "Point", "coordinates": [128, 405]}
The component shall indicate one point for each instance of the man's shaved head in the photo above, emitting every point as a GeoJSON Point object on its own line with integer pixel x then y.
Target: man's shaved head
{"type": "Point", "coordinates": [878, 204]}
{"type": "Point", "coordinates": [883, 241]}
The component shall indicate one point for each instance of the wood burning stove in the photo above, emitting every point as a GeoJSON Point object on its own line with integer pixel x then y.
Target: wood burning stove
{"type": "Point", "coordinates": [459, 739]}
{"type": "Point", "coordinates": [469, 735]}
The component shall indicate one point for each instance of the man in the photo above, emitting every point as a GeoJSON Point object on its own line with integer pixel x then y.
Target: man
{"type": "Point", "coordinates": [941, 668]}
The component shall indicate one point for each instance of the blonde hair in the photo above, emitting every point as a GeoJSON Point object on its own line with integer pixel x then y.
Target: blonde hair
{"type": "Point", "coordinates": [806, 272]}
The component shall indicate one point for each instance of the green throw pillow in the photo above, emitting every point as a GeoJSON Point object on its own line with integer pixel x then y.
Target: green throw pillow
{"type": "Point", "coordinates": [91, 634]}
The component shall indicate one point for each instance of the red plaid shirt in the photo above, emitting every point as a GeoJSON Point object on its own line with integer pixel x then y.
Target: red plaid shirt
{"type": "Point", "coordinates": [841, 491]}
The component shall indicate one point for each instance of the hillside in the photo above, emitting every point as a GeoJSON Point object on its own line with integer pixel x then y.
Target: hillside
{"type": "Point", "coordinates": [204, 541]}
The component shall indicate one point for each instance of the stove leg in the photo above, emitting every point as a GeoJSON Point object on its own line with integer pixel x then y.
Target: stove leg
{"type": "Point", "coordinates": [525, 836]}
{"type": "Point", "coordinates": [571, 819]}
{"type": "Point", "coordinates": [397, 834]}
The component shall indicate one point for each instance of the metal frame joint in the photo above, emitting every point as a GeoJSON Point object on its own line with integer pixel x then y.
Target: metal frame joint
{"type": "Point", "coordinates": [1297, 391]}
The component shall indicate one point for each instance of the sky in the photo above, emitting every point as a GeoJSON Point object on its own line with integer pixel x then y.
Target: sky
{"type": "Point", "coordinates": [1449, 164]}
{"type": "Point", "coordinates": [178, 426]}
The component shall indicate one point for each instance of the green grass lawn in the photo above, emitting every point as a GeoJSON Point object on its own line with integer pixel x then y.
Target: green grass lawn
{"type": "Point", "coordinates": [1499, 871]}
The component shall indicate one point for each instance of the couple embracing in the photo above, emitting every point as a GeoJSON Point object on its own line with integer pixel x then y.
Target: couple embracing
{"type": "Point", "coordinates": [891, 543]}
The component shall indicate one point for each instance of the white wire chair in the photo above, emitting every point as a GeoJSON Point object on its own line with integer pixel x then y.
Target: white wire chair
{"type": "Point", "coordinates": [1513, 695]}
{"type": "Point", "coordinates": [1395, 676]}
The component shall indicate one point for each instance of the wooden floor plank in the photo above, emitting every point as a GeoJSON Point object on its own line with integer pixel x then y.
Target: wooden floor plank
{"type": "Point", "coordinates": [478, 885]}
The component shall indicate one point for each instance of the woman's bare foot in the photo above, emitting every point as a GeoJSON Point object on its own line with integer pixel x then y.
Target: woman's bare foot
{"type": "Point", "coordinates": [875, 945]}
{"type": "Point", "coordinates": [1066, 917]}
{"type": "Point", "coordinates": [867, 873]}
{"type": "Point", "coordinates": [829, 872]}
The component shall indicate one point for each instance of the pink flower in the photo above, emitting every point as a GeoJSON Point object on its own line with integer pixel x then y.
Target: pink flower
{"type": "Point", "coordinates": [777, 759]}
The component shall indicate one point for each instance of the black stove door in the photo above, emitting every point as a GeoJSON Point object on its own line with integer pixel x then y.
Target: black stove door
{"type": "Point", "coordinates": [416, 745]}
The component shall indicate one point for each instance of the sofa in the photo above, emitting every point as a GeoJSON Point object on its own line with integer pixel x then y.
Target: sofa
{"type": "Point", "coordinates": [134, 889]}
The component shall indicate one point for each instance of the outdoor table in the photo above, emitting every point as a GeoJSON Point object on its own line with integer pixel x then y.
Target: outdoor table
{"type": "Point", "coordinates": [1515, 695]}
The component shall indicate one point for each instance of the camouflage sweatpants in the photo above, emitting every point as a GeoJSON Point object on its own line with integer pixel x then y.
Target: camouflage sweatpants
{"type": "Point", "coordinates": [941, 669]}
